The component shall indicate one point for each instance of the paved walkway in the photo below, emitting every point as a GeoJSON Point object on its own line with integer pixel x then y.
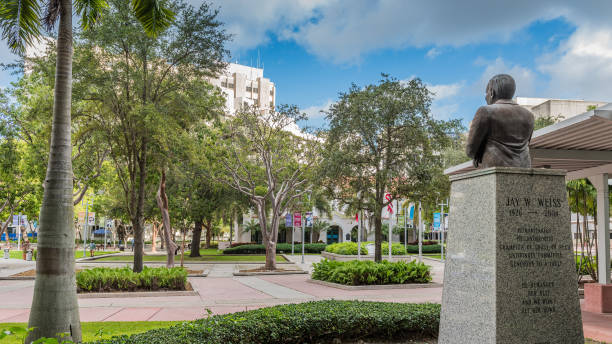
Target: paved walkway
{"type": "Point", "coordinates": [222, 293]}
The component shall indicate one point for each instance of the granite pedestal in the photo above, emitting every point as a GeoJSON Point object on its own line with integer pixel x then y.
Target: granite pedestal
{"type": "Point", "coordinates": [510, 273]}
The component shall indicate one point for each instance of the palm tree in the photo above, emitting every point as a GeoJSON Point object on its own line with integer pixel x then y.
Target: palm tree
{"type": "Point", "coordinates": [55, 311]}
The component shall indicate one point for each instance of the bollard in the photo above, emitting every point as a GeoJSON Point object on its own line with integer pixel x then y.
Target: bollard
{"type": "Point", "coordinates": [29, 256]}
{"type": "Point", "coordinates": [7, 253]}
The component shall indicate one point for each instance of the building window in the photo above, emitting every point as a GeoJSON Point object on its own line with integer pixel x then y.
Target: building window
{"type": "Point", "coordinates": [255, 90]}
{"type": "Point", "coordinates": [249, 89]}
{"type": "Point", "coordinates": [271, 105]}
{"type": "Point", "coordinates": [272, 92]}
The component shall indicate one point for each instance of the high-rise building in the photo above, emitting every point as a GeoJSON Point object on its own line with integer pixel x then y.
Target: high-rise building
{"type": "Point", "coordinates": [245, 86]}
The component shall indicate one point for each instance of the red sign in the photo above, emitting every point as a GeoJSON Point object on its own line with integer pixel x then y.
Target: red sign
{"type": "Point", "coordinates": [390, 205]}
{"type": "Point", "coordinates": [297, 220]}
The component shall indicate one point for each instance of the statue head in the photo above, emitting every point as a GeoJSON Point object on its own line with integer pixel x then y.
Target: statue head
{"type": "Point", "coordinates": [501, 86]}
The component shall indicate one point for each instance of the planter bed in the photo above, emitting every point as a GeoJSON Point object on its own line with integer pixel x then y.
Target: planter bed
{"type": "Point", "coordinates": [375, 286]}
{"type": "Point", "coordinates": [138, 293]}
{"type": "Point", "coordinates": [346, 258]}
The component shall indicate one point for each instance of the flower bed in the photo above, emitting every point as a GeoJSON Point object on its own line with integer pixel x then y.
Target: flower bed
{"type": "Point", "coordinates": [124, 279]}
{"type": "Point", "coordinates": [311, 322]}
{"type": "Point", "coordinates": [356, 272]}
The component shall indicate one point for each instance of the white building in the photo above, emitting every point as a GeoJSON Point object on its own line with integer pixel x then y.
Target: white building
{"type": "Point", "coordinates": [244, 85]}
{"type": "Point", "coordinates": [565, 108]}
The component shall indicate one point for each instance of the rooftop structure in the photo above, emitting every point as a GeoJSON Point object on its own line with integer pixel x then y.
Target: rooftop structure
{"type": "Point", "coordinates": [245, 86]}
{"type": "Point", "coordinates": [565, 108]}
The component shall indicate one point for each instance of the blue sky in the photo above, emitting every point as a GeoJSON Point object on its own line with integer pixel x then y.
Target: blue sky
{"type": "Point", "coordinates": [314, 49]}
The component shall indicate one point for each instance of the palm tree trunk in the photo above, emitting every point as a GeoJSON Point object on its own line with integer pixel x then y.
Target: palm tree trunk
{"type": "Point", "coordinates": [54, 306]}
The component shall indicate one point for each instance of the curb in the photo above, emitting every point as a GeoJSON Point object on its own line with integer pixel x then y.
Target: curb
{"type": "Point", "coordinates": [376, 287]}
{"type": "Point", "coordinates": [137, 294]}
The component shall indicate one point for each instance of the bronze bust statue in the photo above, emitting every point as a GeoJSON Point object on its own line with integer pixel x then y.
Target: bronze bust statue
{"type": "Point", "coordinates": [500, 131]}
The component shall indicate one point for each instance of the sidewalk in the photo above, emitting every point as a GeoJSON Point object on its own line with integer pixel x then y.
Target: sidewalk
{"type": "Point", "coordinates": [222, 293]}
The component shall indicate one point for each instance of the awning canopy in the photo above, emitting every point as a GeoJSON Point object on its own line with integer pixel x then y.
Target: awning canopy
{"type": "Point", "coordinates": [581, 145]}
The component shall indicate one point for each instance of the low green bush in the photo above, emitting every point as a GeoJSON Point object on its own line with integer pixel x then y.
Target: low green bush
{"type": "Point", "coordinates": [346, 248]}
{"type": "Point", "coordinates": [310, 322]}
{"type": "Point", "coordinates": [425, 248]}
{"type": "Point", "coordinates": [110, 279]}
{"type": "Point", "coordinates": [356, 272]}
{"type": "Point", "coordinates": [261, 249]}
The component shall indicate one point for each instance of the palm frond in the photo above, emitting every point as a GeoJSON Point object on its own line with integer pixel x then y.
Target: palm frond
{"type": "Point", "coordinates": [154, 16]}
{"type": "Point", "coordinates": [52, 14]}
{"type": "Point", "coordinates": [20, 23]}
{"type": "Point", "coordinates": [89, 10]}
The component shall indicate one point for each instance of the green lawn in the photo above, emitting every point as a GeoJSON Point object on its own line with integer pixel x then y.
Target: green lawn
{"type": "Point", "coordinates": [215, 258]}
{"type": "Point", "coordinates": [98, 330]}
{"type": "Point", "coordinates": [15, 254]}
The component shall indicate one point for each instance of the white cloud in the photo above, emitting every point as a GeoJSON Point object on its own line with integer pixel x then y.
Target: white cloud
{"type": "Point", "coordinates": [582, 66]}
{"type": "Point", "coordinates": [444, 112]}
{"type": "Point", "coordinates": [445, 91]}
{"type": "Point", "coordinates": [433, 52]}
{"type": "Point", "coordinates": [524, 77]}
{"type": "Point", "coordinates": [314, 112]}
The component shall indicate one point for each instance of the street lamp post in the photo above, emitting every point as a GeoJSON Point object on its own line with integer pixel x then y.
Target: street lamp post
{"type": "Point", "coordinates": [86, 225]}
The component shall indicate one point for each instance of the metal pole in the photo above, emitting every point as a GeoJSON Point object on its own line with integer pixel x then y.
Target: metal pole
{"type": "Point", "coordinates": [420, 233]}
{"type": "Point", "coordinates": [292, 234]}
{"type": "Point", "coordinates": [442, 231]}
{"type": "Point", "coordinates": [359, 235]}
{"type": "Point", "coordinates": [303, 225]}
{"type": "Point", "coordinates": [19, 232]}
{"type": "Point", "coordinates": [85, 230]}
{"type": "Point", "coordinates": [105, 236]}
{"type": "Point", "coordinates": [405, 230]}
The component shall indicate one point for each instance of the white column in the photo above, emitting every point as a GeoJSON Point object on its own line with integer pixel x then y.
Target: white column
{"type": "Point", "coordinates": [600, 182]}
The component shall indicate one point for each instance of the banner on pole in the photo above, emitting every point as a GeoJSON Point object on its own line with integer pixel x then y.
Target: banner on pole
{"type": "Point", "coordinates": [288, 220]}
{"type": "Point", "coordinates": [401, 220]}
{"type": "Point", "coordinates": [81, 217]}
{"type": "Point", "coordinates": [91, 219]}
{"type": "Point", "coordinates": [412, 212]}
{"type": "Point", "coordinates": [436, 221]}
{"type": "Point", "coordinates": [308, 219]}
{"type": "Point", "coordinates": [297, 220]}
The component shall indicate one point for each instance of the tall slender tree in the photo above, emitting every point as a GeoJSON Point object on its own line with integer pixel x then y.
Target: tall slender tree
{"type": "Point", "coordinates": [54, 306]}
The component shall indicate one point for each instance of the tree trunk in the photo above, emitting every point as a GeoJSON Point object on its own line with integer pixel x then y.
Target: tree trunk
{"type": "Point", "coordinates": [162, 203]}
{"type": "Point", "coordinates": [55, 309]}
{"type": "Point", "coordinates": [208, 232]}
{"type": "Point", "coordinates": [5, 230]}
{"type": "Point", "coordinates": [377, 237]}
{"type": "Point", "coordinates": [154, 237]}
{"type": "Point", "coordinates": [138, 219]}
{"type": "Point", "coordinates": [195, 239]}
{"type": "Point", "coordinates": [183, 247]}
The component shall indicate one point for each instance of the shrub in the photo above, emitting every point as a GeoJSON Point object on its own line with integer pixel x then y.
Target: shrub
{"type": "Point", "coordinates": [425, 242]}
{"type": "Point", "coordinates": [310, 322]}
{"type": "Point", "coordinates": [107, 279]}
{"type": "Point", "coordinates": [357, 272]}
{"type": "Point", "coordinates": [261, 249]}
{"type": "Point", "coordinates": [425, 248]}
{"type": "Point", "coordinates": [235, 244]}
{"type": "Point", "coordinates": [347, 248]}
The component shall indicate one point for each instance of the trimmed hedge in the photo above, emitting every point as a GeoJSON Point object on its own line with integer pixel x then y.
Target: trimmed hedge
{"type": "Point", "coordinates": [346, 248]}
{"type": "Point", "coordinates": [356, 272]}
{"type": "Point", "coordinates": [124, 279]}
{"type": "Point", "coordinates": [311, 322]}
{"type": "Point", "coordinates": [425, 248]}
{"type": "Point", "coordinates": [286, 248]}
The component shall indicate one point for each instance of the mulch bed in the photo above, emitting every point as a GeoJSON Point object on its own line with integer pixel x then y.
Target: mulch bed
{"type": "Point", "coordinates": [188, 287]}
{"type": "Point", "coordinates": [262, 269]}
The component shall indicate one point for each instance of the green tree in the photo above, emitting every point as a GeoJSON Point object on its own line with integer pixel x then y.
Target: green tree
{"type": "Point", "coordinates": [54, 306]}
{"type": "Point", "coordinates": [545, 121]}
{"type": "Point", "coordinates": [156, 89]}
{"type": "Point", "coordinates": [384, 144]}
{"type": "Point", "coordinates": [260, 158]}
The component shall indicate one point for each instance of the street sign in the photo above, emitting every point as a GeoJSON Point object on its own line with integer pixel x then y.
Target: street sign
{"type": "Point", "coordinates": [297, 220]}
{"type": "Point", "coordinates": [308, 219]}
{"type": "Point", "coordinates": [288, 220]}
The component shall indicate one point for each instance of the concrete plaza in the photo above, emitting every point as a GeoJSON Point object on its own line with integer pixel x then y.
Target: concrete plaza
{"type": "Point", "coordinates": [221, 293]}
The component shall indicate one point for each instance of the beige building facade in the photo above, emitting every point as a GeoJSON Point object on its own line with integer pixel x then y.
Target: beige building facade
{"type": "Point", "coordinates": [565, 108]}
{"type": "Point", "coordinates": [245, 86]}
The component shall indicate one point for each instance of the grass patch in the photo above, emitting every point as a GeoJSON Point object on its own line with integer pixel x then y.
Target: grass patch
{"type": "Point", "coordinates": [216, 258]}
{"type": "Point", "coordinates": [99, 330]}
{"type": "Point", "coordinates": [18, 254]}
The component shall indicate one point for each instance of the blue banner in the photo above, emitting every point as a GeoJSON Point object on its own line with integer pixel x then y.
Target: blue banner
{"type": "Point", "coordinates": [436, 220]}
{"type": "Point", "coordinates": [412, 212]}
{"type": "Point", "coordinates": [288, 221]}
